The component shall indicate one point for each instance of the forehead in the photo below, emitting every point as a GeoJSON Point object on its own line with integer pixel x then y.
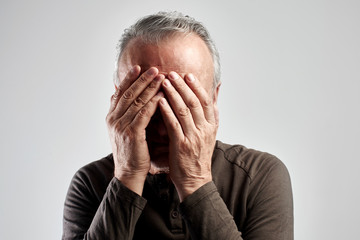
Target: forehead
{"type": "Point", "coordinates": [182, 53]}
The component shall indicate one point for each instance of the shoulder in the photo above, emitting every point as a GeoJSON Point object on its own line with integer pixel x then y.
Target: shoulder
{"type": "Point", "coordinates": [256, 179]}
{"type": "Point", "coordinates": [98, 167]}
{"type": "Point", "coordinates": [94, 177]}
{"type": "Point", "coordinates": [250, 161]}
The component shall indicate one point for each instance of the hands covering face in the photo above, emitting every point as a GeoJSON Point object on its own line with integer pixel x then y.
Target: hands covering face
{"type": "Point", "coordinates": [190, 118]}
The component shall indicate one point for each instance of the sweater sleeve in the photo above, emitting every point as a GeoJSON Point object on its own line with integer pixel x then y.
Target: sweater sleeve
{"type": "Point", "coordinates": [269, 217]}
{"type": "Point", "coordinates": [115, 217]}
{"type": "Point", "coordinates": [207, 216]}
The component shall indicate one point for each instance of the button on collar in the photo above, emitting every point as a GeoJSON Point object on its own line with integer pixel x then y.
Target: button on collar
{"type": "Point", "coordinates": [174, 214]}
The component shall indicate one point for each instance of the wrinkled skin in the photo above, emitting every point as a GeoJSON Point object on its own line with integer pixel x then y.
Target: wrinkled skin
{"type": "Point", "coordinates": [163, 115]}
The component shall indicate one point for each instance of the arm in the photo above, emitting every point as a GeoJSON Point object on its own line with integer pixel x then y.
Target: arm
{"type": "Point", "coordinates": [190, 118]}
{"type": "Point", "coordinates": [269, 215]}
{"type": "Point", "coordinates": [116, 215]}
{"type": "Point", "coordinates": [132, 106]}
{"type": "Point", "coordinates": [191, 122]}
{"type": "Point", "coordinates": [207, 216]}
{"type": "Point", "coordinates": [131, 109]}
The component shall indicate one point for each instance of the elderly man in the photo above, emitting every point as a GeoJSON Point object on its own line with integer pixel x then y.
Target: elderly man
{"type": "Point", "coordinates": [167, 176]}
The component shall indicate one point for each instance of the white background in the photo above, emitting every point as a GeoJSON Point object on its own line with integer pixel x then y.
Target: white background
{"type": "Point", "coordinates": [291, 87]}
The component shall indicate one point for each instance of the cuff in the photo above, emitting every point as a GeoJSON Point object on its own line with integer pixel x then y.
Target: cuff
{"type": "Point", "coordinates": [194, 199]}
{"type": "Point", "coordinates": [117, 190]}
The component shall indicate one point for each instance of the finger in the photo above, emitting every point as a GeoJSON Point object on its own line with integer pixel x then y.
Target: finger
{"type": "Point", "coordinates": [181, 110]}
{"type": "Point", "coordinates": [143, 117]}
{"type": "Point", "coordinates": [124, 84]}
{"type": "Point", "coordinates": [144, 98]}
{"type": "Point", "coordinates": [171, 122]}
{"type": "Point", "coordinates": [203, 96]}
{"type": "Point", "coordinates": [114, 100]}
{"type": "Point", "coordinates": [136, 88]}
{"type": "Point", "coordinates": [189, 97]}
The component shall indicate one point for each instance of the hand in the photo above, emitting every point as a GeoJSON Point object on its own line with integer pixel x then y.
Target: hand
{"type": "Point", "coordinates": [191, 120]}
{"type": "Point", "coordinates": [132, 107]}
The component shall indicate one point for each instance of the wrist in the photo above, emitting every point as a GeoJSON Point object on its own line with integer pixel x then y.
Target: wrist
{"type": "Point", "coordinates": [134, 182]}
{"type": "Point", "coordinates": [185, 189]}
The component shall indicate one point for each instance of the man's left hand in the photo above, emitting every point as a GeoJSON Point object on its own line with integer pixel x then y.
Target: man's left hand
{"type": "Point", "coordinates": [191, 120]}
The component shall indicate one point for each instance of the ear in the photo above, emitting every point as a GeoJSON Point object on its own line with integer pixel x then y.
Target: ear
{"type": "Point", "coordinates": [115, 87]}
{"type": "Point", "coordinates": [216, 93]}
{"type": "Point", "coordinates": [215, 98]}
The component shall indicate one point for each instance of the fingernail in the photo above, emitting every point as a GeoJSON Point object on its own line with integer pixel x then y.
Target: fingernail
{"type": "Point", "coordinates": [191, 77]}
{"type": "Point", "coordinates": [160, 94]}
{"type": "Point", "coordinates": [163, 101]}
{"type": "Point", "coordinates": [159, 77]}
{"type": "Point", "coordinates": [152, 71]}
{"type": "Point", "coordinates": [167, 83]}
{"type": "Point", "coordinates": [173, 75]}
{"type": "Point", "coordinates": [134, 69]}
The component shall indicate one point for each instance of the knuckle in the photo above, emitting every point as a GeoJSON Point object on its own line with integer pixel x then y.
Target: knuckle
{"type": "Point", "coordinates": [143, 113]}
{"type": "Point", "coordinates": [184, 112]}
{"type": "Point", "coordinates": [129, 94]}
{"type": "Point", "coordinates": [207, 102]}
{"type": "Point", "coordinates": [115, 96]}
{"type": "Point", "coordinates": [152, 85]}
{"type": "Point", "coordinates": [117, 93]}
{"type": "Point", "coordinates": [194, 103]}
{"type": "Point", "coordinates": [176, 125]}
{"type": "Point", "coordinates": [139, 102]}
{"type": "Point", "coordinates": [109, 119]}
{"type": "Point", "coordinates": [143, 79]}
{"type": "Point", "coordinates": [153, 100]}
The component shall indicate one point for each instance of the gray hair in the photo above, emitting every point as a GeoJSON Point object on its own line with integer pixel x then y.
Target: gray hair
{"type": "Point", "coordinates": [156, 27]}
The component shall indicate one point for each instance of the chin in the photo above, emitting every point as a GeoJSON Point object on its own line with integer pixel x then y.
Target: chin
{"type": "Point", "coordinates": [159, 163]}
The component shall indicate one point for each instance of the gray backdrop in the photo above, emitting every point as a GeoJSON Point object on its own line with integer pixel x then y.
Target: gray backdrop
{"type": "Point", "coordinates": [290, 87]}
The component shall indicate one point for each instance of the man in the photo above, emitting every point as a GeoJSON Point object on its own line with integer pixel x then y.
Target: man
{"type": "Point", "coordinates": [167, 176]}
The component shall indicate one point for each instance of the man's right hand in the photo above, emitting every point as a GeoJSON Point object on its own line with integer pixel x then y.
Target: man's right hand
{"type": "Point", "coordinates": [132, 106]}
